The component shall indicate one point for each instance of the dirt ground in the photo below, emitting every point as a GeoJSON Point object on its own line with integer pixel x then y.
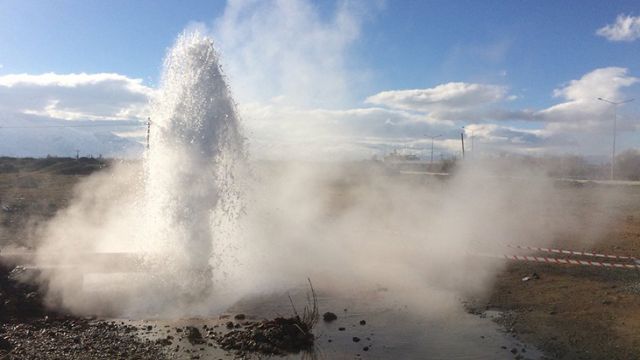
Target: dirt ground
{"type": "Point", "coordinates": [570, 312]}
{"type": "Point", "coordinates": [579, 312]}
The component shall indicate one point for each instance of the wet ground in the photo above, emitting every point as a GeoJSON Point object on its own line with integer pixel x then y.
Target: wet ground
{"type": "Point", "coordinates": [362, 330]}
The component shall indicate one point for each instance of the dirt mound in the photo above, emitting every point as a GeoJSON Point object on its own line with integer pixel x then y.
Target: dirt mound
{"type": "Point", "coordinates": [279, 336]}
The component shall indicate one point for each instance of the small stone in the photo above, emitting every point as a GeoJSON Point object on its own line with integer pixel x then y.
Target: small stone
{"type": "Point", "coordinates": [240, 317]}
{"type": "Point", "coordinates": [329, 316]}
{"type": "Point", "coordinates": [356, 339]}
{"type": "Point", "coordinates": [341, 329]}
{"type": "Point", "coordinates": [366, 348]}
{"type": "Point", "coordinates": [362, 322]}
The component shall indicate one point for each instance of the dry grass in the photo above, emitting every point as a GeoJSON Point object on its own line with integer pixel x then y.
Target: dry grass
{"type": "Point", "coordinates": [310, 313]}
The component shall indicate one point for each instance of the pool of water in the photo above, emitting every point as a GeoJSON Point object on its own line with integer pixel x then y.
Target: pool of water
{"type": "Point", "coordinates": [391, 330]}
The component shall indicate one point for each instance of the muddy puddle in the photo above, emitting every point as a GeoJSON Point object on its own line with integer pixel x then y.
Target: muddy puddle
{"type": "Point", "coordinates": [372, 329]}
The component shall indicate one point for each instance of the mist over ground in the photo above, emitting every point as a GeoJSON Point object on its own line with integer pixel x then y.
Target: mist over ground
{"type": "Point", "coordinates": [349, 227]}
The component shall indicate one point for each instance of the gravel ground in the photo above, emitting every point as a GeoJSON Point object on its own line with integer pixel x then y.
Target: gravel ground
{"type": "Point", "coordinates": [73, 339]}
{"type": "Point", "coordinates": [29, 331]}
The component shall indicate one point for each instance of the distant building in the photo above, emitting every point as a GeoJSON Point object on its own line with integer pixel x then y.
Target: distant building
{"type": "Point", "coordinates": [395, 157]}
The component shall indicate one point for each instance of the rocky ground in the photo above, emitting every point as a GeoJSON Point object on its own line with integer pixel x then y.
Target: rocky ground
{"type": "Point", "coordinates": [29, 331]}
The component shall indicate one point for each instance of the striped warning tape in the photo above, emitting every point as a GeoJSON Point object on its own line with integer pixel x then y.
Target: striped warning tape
{"type": "Point", "coordinates": [572, 252]}
{"type": "Point", "coordinates": [570, 261]}
{"type": "Point", "coordinates": [548, 260]}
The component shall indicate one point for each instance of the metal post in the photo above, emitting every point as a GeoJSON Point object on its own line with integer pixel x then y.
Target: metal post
{"type": "Point", "coordinates": [148, 131]}
{"type": "Point", "coordinates": [432, 139]}
{"type": "Point", "coordinates": [431, 163]}
{"type": "Point", "coordinates": [613, 148]}
{"type": "Point", "coordinates": [462, 141]}
{"type": "Point", "coordinates": [615, 130]}
{"type": "Point", "coordinates": [473, 146]}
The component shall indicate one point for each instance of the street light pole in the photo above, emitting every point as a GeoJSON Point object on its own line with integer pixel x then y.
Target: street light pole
{"type": "Point", "coordinates": [432, 138]}
{"type": "Point", "coordinates": [615, 130]}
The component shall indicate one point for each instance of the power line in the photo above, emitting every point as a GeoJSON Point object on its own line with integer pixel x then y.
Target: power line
{"type": "Point", "coordinates": [69, 126]}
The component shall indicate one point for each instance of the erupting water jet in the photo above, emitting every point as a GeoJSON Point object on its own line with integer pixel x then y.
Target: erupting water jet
{"type": "Point", "coordinates": [194, 147]}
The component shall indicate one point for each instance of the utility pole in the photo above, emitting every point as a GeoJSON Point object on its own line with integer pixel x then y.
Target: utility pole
{"type": "Point", "coordinates": [432, 138]}
{"type": "Point", "coordinates": [615, 130]}
{"type": "Point", "coordinates": [462, 141]}
{"type": "Point", "coordinates": [148, 131]}
{"type": "Point", "coordinates": [473, 145]}
{"type": "Point", "coordinates": [77, 154]}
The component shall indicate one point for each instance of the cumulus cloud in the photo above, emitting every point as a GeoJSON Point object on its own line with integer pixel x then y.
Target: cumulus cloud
{"type": "Point", "coordinates": [581, 108]}
{"type": "Point", "coordinates": [74, 96]}
{"type": "Point", "coordinates": [494, 137]}
{"type": "Point", "coordinates": [625, 28]}
{"type": "Point", "coordinates": [453, 95]}
{"type": "Point", "coordinates": [277, 131]}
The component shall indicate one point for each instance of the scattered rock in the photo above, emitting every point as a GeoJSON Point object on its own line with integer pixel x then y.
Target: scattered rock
{"type": "Point", "coordinates": [164, 342]}
{"type": "Point", "coordinates": [329, 316]}
{"type": "Point", "coordinates": [533, 276]}
{"type": "Point", "coordinates": [193, 335]}
{"type": "Point", "coordinates": [239, 317]}
{"type": "Point", "coordinates": [341, 329]}
{"type": "Point", "coordinates": [362, 322]}
{"type": "Point", "coordinates": [356, 339]}
{"type": "Point", "coordinates": [5, 344]}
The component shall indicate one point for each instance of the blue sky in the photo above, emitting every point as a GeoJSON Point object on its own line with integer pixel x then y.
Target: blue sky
{"type": "Point", "coordinates": [515, 53]}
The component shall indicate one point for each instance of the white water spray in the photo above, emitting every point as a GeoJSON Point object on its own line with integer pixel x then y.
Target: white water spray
{"type": "Point", "coordinates": [179, 211]}
{"type": "Point", "coordinates": [194, 146]}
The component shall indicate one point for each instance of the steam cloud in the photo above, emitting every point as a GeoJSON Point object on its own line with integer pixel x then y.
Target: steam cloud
{"type": "Point", "coordinates": [205, 233]}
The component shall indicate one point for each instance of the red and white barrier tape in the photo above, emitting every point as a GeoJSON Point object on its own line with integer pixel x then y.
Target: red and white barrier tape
{"type": "Point", "coordinates": [571, 252]}
{"type": "Point", "coordinates": [549, 260]}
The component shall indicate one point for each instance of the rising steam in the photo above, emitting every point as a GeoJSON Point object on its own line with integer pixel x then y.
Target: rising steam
{"type": "Point", "coordinates": [204, 234]}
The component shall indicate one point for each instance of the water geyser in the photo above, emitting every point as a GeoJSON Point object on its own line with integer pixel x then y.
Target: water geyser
{"type": "Point", "coordinates": [195, 146]}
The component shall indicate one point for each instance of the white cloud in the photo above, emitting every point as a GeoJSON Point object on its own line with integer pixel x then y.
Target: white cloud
{"type": "Point", "coordinates": [448, 97]}
{"type": "Point", "coordinates": [74, 96]}
{"type": "Point", "coordinates": [287, 49]}
{"type": "Point", "coordinates": [31, 135]}
{"type": "Point", "coordinates": [626, 28]}
{"type": "Point", "coordinates": [497, 137]}
{"type": "Point", "coordinates": [582, 110]}
{"type": "Point", "coordinates": [281, 131]}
